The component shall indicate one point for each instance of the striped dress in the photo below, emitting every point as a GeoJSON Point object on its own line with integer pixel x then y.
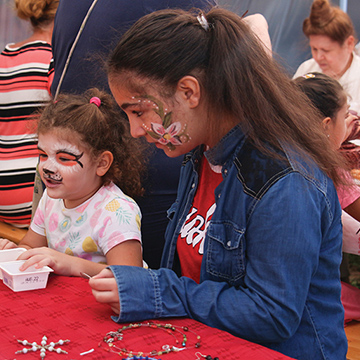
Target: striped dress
{"type": "Point", "coordinates": [25, 80]}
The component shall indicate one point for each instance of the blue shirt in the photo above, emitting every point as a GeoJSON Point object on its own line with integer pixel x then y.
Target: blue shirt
{"type": "Point", "coordinates": [270, 270]}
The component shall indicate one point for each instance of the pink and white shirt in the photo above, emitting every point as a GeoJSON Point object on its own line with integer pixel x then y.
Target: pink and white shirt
{"type": "Point", "coordinates": [90, 230]}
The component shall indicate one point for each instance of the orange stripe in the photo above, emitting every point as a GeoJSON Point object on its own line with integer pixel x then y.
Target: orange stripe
{"type": "Point", "coordinates": [16, 220]}
{"type": "Point", "coordinates": [9, 197]}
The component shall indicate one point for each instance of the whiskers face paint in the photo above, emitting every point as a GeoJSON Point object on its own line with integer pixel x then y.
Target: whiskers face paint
{"type": "Point", "coordinates": [68, 171]}
{"type": "Point", "coordinates": [60, 157]}
{"type": "Point", "coordinates": [51, 176]}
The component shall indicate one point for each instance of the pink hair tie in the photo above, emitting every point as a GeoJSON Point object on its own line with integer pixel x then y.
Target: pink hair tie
{"type": "Point", "coordinates": [95, 100]}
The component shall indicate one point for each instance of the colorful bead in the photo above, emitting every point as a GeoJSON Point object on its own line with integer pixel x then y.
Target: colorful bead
{"type": "Point", "coordinates": [113, 336]}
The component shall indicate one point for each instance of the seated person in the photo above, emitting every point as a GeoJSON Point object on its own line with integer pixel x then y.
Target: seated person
{"type": "Point", "coordinates": [84, 221]}
{"type": "Point", "coordinates": [253, 244]}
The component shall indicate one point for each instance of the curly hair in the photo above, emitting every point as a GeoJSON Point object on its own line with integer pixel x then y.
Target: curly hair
{"type": "Point", "coordinates": [102, 128]}
{"type": "Point", "coordinates": [39, 12]}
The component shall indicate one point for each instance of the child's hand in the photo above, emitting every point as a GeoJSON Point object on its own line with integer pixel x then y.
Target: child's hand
{"type": "Point", "coordinates": [105, 290]}
{"type": "Point", "coordinates": [7, 244]}
{"type": "Point", "coordinates": [44, 256]}
{"type": "Point", "coordinates": [352, 123]}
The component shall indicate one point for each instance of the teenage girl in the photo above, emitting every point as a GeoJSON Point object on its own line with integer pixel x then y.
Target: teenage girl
{"type": "Point", "coordinates": [84, 221]}
{"type": "Point", "coordinates": [253, 245]}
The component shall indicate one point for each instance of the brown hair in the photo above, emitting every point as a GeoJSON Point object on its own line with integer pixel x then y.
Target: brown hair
{"type": "Point", "coordinates": [100, 128]}
{"type": "Point", "coordinates": [328, 20]}
{"type": "Point", "coordinates": [324, 92]}
{"type": "Point", "coordinates": [39, 12]}
{"type": "Point", "coordinates": [238, 79]}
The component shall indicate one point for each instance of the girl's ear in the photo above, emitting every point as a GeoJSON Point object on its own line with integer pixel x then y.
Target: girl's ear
{"type": "Point", "coordinates": [325, 124]}
{"type": "Point", "coordinates": [188, 88]}
{"type": "Point", "coordinates": [104, 162]}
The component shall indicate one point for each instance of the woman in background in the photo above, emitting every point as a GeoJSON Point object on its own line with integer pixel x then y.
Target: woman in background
{"type": "Point", "coordinates": [25, 82]}
{"type": "Point", "coordinates": [332, 40]}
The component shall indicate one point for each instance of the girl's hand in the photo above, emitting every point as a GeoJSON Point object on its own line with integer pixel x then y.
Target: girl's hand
{"type": "Point", "coordinates": [44, 256]}
{"type": "Point", "coordinates": [7, 244]}
{"type": "Point", "coordinates": [352, 123]}
{"type": "Point", "coordinates": [105, 290]}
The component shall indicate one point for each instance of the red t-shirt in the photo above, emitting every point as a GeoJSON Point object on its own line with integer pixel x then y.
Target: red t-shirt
{"type": "Point", "coordinates": [190, 244]}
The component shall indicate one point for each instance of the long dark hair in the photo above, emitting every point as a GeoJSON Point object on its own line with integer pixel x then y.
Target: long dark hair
{"type": "Point", "coordinates": [238, 79]}
{"type": "Point", "coordinates": [325, 93]}
{"type": "Point", "coordinates": [101, 128]}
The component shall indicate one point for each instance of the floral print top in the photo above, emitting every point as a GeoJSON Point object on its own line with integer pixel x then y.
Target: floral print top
{"type": "Point", "coordinates": [90, 230]}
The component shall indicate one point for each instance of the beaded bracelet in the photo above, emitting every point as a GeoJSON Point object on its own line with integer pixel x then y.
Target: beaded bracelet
{"type": "Point", "coordinates": [113, 336]}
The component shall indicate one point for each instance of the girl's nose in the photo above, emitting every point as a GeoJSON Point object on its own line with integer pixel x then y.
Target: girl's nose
{"type": "Point", "coordinates": [46, 171]}
{"type": "Point", "coordinates": [136, 129]}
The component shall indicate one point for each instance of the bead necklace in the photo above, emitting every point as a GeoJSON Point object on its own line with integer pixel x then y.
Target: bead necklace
{"type": "Point", "coordinates": [113, 336]}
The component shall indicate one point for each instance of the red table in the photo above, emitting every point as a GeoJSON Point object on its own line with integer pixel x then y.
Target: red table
{"type": "Point", "coordinates": [66, 309]}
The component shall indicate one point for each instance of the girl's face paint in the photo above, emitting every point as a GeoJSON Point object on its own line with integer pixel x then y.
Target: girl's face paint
{"type": "Point", "coordinates": [59, 158]}
{"type": "Point", "coordinates": [168, 127]}
{"type": "Point", "coordinates": [166, 132]}
{"type": "Point", "coordinates": [67, 170]}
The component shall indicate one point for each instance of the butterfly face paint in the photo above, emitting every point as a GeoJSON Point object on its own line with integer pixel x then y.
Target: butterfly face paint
{"type": "Point", "coordinates": [166, 132]}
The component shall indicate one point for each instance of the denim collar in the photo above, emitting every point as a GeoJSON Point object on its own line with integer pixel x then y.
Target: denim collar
{"type": "Point", "coordinates": [221, 152]}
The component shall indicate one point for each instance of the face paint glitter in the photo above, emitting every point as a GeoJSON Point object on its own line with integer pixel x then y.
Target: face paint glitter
{"type": "Point", "coordinates": [167, 133]}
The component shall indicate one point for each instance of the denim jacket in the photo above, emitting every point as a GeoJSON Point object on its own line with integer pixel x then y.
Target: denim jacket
{"type": "Point", "coordinates": [272, 251]}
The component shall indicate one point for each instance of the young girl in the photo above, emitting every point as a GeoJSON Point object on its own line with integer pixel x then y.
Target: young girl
{"type": "Point", "coordinates": [255, 232]}
{"type": "Point", "coordinates": [329, 97]}
{"type": "Point", "coordinates": [84, 220]}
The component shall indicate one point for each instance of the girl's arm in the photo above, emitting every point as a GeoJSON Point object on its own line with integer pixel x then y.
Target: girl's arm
{"type": "Point", "coordinates": [126, 253]}
{"type": "Point", "coordinates": [283, 253]}
{"type": "Point", "coordinates": [32, 240]}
